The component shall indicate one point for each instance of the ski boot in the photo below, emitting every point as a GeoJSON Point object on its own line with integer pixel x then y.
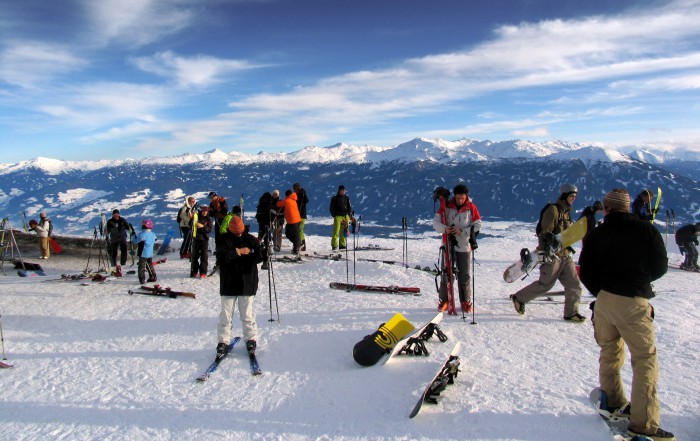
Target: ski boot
{"type": "Point", "coordinates": [250, 346]}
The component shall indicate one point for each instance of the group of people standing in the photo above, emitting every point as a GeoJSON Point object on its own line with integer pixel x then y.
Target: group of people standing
{"type": "Point", "coordinates": [620, 258]}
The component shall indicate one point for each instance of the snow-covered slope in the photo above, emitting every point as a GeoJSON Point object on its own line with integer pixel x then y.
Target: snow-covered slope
{"type": "Point", "coordinates": [93, 362]}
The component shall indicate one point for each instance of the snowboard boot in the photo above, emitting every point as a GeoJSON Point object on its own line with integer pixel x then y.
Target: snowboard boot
{"type": "Point", "coordinates": [442, 305]}
{"type": "Point", "coordinates": [250, 346]}
{"type": "Point", "coordinates": [660, 435]}
{"type": "Point", "coordinates": [519, 307]}
{"type": "Point", "coordinates": [221, 350]}
{"type": "Point", "coordinates": [578, 318]}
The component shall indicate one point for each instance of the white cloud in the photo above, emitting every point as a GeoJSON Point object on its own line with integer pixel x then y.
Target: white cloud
{"type": "Point", "coordinates": [201, 70]}
{"type": "Point", "coordinates": [136, 22]}
{"type": "Point", "coordinates": [26, 63]}
{"type": "Point", "coordinates": [531, 133]}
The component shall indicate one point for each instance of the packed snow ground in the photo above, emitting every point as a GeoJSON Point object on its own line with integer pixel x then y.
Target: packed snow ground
{"type": "Point", "coordinates": [93, 362]}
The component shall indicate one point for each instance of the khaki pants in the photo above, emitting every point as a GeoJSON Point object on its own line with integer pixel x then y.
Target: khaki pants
{"type": "Point", "coordinates": [620, 320]}
{"type": "Point", "coordinates": [563, 270]}
{"type": "Point", "coordinates": [45, 247]}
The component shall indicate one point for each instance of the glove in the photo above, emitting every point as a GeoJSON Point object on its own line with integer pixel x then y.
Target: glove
{"type": "Point", "coordinates": [551, 245]}
{"type": "Point", "coordinates": [473, 244]}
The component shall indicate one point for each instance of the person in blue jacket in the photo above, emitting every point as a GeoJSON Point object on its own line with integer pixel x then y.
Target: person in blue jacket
{"type": "Point", "coordinates": [146, 240]}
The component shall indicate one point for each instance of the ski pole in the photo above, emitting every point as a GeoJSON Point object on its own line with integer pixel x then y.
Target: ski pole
{"type": "Point", "coordinates": [2, 339]}
{"type": "Point", "coordinates": [473, 287]}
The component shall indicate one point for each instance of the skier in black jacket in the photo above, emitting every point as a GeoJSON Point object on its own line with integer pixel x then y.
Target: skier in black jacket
{"type": "Point", "coordinates": [687, 239]}
{"type": "Point", "coordinates": [117, 229]}
{"type": "Point", "coordinates": [620, 260]}
{"type": "Point", "coordinates": [340, 210]}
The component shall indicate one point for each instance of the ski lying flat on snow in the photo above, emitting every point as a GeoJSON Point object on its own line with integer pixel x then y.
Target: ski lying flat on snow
{"type": "Point", "coordinates": [445, 376]}
{"type": "Point", "coordinates": [390, 289]}
{"type": "Point", "coordinates": [372, 248]}
{"type": "Point", "coordinates": [163, 292]}
{"type": "Point", "coordinates": [212, 367]}
{"type": "Point", "coordinates": [4, 365]}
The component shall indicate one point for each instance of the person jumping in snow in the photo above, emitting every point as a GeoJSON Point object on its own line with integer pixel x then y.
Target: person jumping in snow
{"type": "Point", "coordinates": [554, 219]}
{"type": "Point", "coordinates": [620, 260]}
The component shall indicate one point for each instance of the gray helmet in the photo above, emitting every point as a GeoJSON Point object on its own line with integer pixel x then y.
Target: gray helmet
{"type": "Point", "coordinates": [568, 188]}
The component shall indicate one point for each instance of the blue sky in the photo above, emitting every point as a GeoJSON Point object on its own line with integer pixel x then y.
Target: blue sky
{"type": "Point", "coordinates": [111, 79]}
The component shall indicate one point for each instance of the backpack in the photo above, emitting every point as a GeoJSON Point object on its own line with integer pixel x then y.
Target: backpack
{"type": "Point", "coordinates": [538, 228]}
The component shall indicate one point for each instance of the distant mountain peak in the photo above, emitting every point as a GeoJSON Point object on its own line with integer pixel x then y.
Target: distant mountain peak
{"type": "Point", "coordinates": [416, 150]}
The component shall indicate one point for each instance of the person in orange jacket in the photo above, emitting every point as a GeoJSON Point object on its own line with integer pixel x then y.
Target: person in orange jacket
{"type": "Point", "coordinates": [291, 215]}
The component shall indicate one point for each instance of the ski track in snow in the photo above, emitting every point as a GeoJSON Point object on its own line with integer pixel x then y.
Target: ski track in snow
{"type": "Point", "coordinates": [92, 362]}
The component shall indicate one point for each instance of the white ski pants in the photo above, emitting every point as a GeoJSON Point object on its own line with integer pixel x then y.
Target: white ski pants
{"type": "Point", "coordinates": [246, 311]}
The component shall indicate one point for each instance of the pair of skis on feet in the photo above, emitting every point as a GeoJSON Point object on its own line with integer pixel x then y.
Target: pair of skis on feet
{"type": "Point", "coordinates": [252, 359]}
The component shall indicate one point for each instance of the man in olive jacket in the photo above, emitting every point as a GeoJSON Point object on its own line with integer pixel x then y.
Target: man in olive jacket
{"type": "Point", "coordinates": [620, 260]}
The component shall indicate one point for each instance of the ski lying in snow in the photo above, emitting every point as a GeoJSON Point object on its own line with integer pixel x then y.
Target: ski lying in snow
{"type": "Point", "coordinates": [617, 423]}
{"type": "Point", "coordinates": [389, 289]}
{"type": "Point", "coordinates": [372, 248]}
{"type": "Point", "coordinates": [254, 366]}
{"type": "Point", "coordinates": [414, 344]}
{"type": "Point", "coordinates": [215, 364]}
{"type": "Point", "coordinates": [4, 365]}
{"type": "Point", "coordinates": [329, 256]}
{"type": "Point", "coordinates": [394, 262]}
{"type": "Point", "coordinates": [445, 376]}
{"type": "Point", "coordinates": [288, 259]}
{"type": "Point", "coordinates": [164, 292]}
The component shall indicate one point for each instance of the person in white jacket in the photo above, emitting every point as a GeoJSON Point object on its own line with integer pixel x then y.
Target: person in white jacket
{"type": "Point", "coordinates": [43, 234]}
{"type": "Point", "coordinates": [462, 225]}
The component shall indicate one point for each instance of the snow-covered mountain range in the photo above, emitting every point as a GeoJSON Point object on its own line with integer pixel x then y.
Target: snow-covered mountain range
{"type": "Point", "coordinates": [508, 180]}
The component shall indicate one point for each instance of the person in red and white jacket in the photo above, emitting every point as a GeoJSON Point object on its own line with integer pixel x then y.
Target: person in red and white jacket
{"type": "Point", "coordinates": [463, 223]}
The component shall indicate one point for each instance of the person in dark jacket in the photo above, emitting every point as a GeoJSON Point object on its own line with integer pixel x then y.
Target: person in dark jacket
{"type": "Point", "coordinates": [200, 243]}
{"type": "Point", "coordinates": [620, 260]}
{"type": "Point", "coordinates": [641, 206]}
{"type": "Point", "coordinates": [277, 226]}
{"type": "Point", "coordinates": [340, 210]}
{"type": "Point", "coordinates": [687, 239]}
{"type": "Point", "coordinates": [302, 202]}
{"type": "Point", "coordinates": [263, 216]}
{"type": "Point", "coordinates": [239, 254]}
{"type": "Point", "coordinates": [117, 235]}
